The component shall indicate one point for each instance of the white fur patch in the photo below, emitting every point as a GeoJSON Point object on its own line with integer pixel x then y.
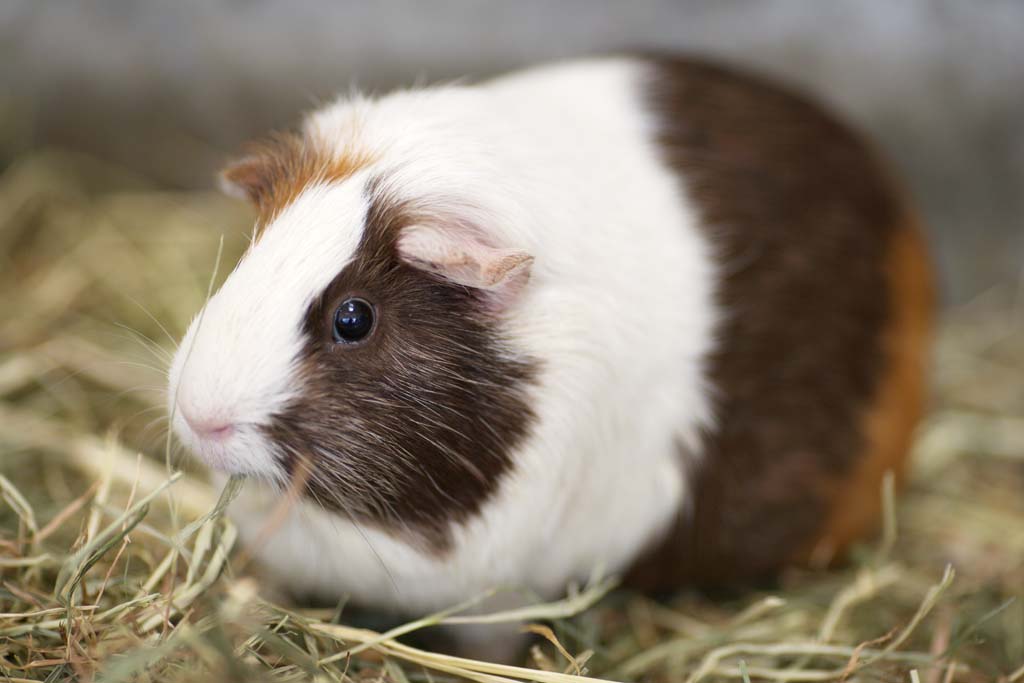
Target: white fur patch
{"type": "Point", "coordinates": [561, 164]}
{"type": "Point", "coordinates": [236, 362]}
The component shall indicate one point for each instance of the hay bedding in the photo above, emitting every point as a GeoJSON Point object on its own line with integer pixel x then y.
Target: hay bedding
{"type": "Point", "coordinates": [116, 566]}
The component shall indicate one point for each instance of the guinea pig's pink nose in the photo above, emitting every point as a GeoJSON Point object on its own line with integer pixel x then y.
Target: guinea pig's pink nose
{"type": "Point", "coordinates": [212, 429]}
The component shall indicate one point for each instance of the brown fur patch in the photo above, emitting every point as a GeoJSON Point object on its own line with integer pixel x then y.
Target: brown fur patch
{"type": "Point", "coordinates": [801, 216]}
{"type": "Point", "coordinates": [413, 429]}
{"type": "Point", "coordinates": [276, 170]}
{"type": "Point", "coordinates": [892, 416]}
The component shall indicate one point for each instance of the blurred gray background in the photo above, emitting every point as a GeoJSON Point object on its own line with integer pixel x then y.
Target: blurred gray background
{"type": "Point", "coordinates": [171, 88]}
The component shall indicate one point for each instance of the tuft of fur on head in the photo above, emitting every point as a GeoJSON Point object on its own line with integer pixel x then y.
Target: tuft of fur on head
{"type": "Point", "coordinates": [276, 170]}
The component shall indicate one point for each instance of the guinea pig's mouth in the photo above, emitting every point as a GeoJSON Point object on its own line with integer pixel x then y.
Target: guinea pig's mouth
{"type": "Point", "coordinates": [229, 447]}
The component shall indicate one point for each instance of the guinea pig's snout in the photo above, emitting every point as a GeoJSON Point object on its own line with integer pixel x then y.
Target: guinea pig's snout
{"type": "Point", "coordinates": [221, 437]}
{"type": "Point", "coordinates": [209, 429]}
{"type": "Point", "coordinates": [203, 422]}
{"type": "Point", "coordinates": [229, 378]}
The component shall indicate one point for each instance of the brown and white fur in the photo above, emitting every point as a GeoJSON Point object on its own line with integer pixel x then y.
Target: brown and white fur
{"type": "Point", "coordinates": [639, 314]}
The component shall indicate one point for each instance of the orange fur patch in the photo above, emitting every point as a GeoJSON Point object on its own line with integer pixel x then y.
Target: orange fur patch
{"type": "Point", "coordinates": [276, 171]}
{"type": "Point", "coordinates": [890, 421]}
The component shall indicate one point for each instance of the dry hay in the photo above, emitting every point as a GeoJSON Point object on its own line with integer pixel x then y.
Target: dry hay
{"type": "Point", "coordinates": [112, 568]}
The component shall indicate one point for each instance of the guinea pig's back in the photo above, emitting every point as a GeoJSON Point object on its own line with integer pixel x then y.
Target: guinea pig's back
{"type": "Point", "coordinates": [824, 290]}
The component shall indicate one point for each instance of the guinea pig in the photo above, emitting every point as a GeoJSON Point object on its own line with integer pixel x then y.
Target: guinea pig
{"type": "Point", "coordinates": [646, 314]}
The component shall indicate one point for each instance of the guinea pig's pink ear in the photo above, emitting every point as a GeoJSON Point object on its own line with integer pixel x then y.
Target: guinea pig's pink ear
{"type": "Point", "coordinates": [246, 178]}
{"type": "Point", "coordinates": [461, 256]}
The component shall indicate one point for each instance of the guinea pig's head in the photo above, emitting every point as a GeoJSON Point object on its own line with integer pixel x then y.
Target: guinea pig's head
{"type": "Point", "coordinates": [361, 344]}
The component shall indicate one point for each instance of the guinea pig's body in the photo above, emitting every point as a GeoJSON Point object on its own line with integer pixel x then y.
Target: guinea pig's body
{"type": "Point", "coordinates": [628, 314]}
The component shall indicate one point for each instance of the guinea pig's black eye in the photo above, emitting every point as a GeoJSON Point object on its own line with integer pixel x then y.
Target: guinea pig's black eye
{"type": "Point", "coordinates": [353, 321]}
